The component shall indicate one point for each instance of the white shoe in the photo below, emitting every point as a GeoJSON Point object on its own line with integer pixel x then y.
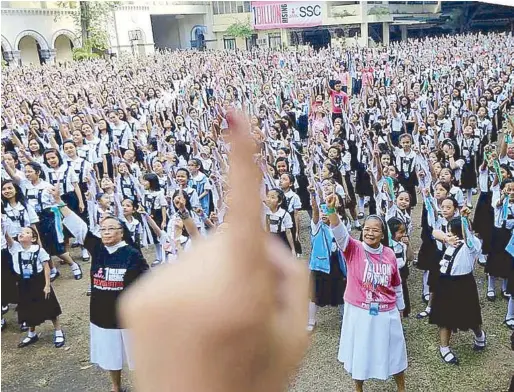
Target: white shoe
{"type": "Point", "coordinates": [310, 327]}
{"type": "Point", "coordinates": [85, 254]}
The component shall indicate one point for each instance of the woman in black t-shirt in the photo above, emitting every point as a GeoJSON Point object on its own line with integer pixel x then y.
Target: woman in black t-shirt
{"type": "Point", "coordinates": [116, 265]}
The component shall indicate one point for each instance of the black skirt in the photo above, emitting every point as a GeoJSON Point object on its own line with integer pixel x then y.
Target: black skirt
{"type": "Point", "coordinates": [297, 244]}
{"type": "Point", "coordinates": [455, 304]}
{"type": "Point", "coordinates": [404, 274]}
{"type": "Point", "coordinates": [468, 179]}
{"type": "Point", "coordinates": [9, 280]}
{"type": "Point", "coordinates": [351, 191]}
{"type": "Point", "coordinates": [33, 307]}
{"type": "Point", "coordinates": [483, 222]}
{"type": "Point", "coordinates": [329, 288]}
{"type": "Point", "coordinates": [48, 233]}
{"type": "Point", "coordinates": [427, 254]}
{"type": "Point", "coordinates": [363, 185]}
{"type": "Point", "coordinates": [499, 262]}
{"type": "Point", "coordinates": [158, 218]}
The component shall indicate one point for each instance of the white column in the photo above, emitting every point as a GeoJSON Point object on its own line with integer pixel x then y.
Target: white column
{"type": "Point", "coordinates": [385, 33]}
{"type": "Point", "coordinates": [403, 29]}
{"type": "Point", "coordinates": [364, 33]}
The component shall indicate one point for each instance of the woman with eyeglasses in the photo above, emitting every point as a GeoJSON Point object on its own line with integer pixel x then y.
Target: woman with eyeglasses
{"type": "Point", "coordinates": [116, 265]}
{"type": "Point", "coordinates": [372, 344]}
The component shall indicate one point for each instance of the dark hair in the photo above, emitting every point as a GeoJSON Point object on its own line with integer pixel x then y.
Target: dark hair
{"type": "Point", "coordinates": [283, 159]}
{"type": "Point", "coordinates": [198, 163]}
{"type": "Point", "coordinates": [506, 167]}
{"type": "Point", "coordinates": [291, 178]}
{"type": "Point", "coordinates": [37, 168]}
{"type": "Point", "coordinates": [178, 192]}
{"type": "Point", "coordinates": [394, 224]}
{"type": "Point", "coordinates": [185, 171]}
{"type": "Point", "coordinates": [153, 181]}
{"type": "Point", "coordinates": [453, 200]}
{"type": "Point", "coordinates": [455, 227]}
{"type": "Point", "coordinates": [445, 185]}
{"type": "Point", "coordinates": [18, 197]}
{"type": "Point", "coordinates": [53, 151]}
{"type": "Point", "coordinates": [281, 198]}
{"type": "Point", "coordinates": [181, 149]}
{"type": "Point", "coordinates": [505, 182]}
{"type": "Point", "coordinates": [14, 156]}
{"type": "Point", "coordinates": [152, 142]}
{"type": "Point", "coordinates": [336, 174]}
{"type": "Point", "coordinates": [41, 146]}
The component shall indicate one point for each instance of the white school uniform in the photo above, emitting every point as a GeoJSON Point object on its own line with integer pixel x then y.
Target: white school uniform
{"type": "Point", "coordinates": [19, 217]}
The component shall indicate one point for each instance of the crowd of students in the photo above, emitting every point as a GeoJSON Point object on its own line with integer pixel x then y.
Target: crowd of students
{"type": "Point", "coordinates": [356, 137]}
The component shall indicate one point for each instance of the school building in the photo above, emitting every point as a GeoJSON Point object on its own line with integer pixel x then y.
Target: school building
{"type": "Point", "coordinates": [43, 31]}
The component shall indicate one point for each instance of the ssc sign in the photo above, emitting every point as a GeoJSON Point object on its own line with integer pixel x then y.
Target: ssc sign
{"type": "Point", "coordinates": [274, 14]}
{"type": "Point", "coordinates": [310, 11]}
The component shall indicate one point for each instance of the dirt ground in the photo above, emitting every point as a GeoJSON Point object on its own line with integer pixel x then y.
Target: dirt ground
{"type": "Point", "coordinates": [42, 367]}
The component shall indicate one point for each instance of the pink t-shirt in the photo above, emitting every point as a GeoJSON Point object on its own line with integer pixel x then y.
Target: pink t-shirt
{"type": "Point", "coordinates": [339, 100]}
{"type": "Point", "coordinates": [368, 281]}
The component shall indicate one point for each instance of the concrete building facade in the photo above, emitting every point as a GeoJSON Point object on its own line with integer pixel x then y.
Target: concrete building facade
{"type": "Point", "coordinates": [39, 31]}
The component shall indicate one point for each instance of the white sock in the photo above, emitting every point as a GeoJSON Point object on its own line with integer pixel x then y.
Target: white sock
{"type": "Point", "coordinates": [469, 195]}
{"type": "Point", "coordinates": [428, 309]}
{"type": "Point", "coordinates": [53, 271]}
{"type": "Point", "coordinates": [3, 321]}
{"type": "Point", "coordinates": [481, 338]}
{"type": "Point", "coordinates": [504, 284]}
{"type": "Point", "coordinates": [58, 332]}
{"type": "Point", "coordinates": [426, 289]}
{"type": "Point", "coordinates": [32, 334]}
{"type": "Point", "coordinates": [356, 223]}
{"type": "Point", "coordinates": [510, 309]}
{"type": "Point", "coordinates": [313, 308]}
{"type": "Point", "coordinates": [490, 282]}
{"type": "Point", "coordinates": [74, 267]}
{"type": "Point", "coordinates": [158, 252]}
{"type": "Point", "coordinates": [361, 204]}
{"type": "Point", "coordinates": [444, 350]}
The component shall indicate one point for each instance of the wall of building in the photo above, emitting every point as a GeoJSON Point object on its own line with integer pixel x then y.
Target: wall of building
{"type": "Point", "coordinates": [130, 18]}
{"type": "Point", "coordinates": [29, 53]}
{"type": "Point", "coordinates": [174, 31]}
{"type": "Point", "coordinates": [63, 49]}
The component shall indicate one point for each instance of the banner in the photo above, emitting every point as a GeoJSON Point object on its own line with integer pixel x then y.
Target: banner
{"type": "Point", "coordinates": [280, 15]}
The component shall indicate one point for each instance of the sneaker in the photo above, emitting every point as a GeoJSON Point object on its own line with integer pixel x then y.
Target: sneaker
{"type": "Point", "coordinates": [156, 263]}
{"type": "Point", "coordinates": [4, 324]}
{"type": "Point", "coordinates": [24, 327]}
{"type": "Point", "coordinates": [59, 340]}
{"type": "Point", "coordinates": [88, 292]}
{"type": "Point", "coordinates": [77, 272]}
{"type": "Point", "coordinates": [482, 260]}
{"type": "Point", "coordinates": [361, 215]}
{"type": "Point", "coordinates": [474, 191]}
{"type": "Point", "coordinates": [28, 341]}
{"type": "Point", "coordinates": [5, 309]}
{"type": "Point", "coordinates": [54, 275]}
{"type": "Point", "coordinates": [85, 255]}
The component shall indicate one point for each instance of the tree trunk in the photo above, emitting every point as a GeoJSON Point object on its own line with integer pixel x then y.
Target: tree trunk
{"type": "Point", "coordinates": [85, 18]}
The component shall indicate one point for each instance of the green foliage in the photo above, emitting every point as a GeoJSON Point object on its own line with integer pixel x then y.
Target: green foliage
{"type": "Point", "coordinates": [378, 11]}
{"type": "Point", "coordinates": [343, 14]}
{"type": "Point", "coordinates": [239, 29]}
{"type": "Point", "coordinates": [91, 21]}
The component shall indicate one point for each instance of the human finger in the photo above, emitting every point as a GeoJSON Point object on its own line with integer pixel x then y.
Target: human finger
{"type": "Point", "coordinates": [291, 299]}
{"type": "Point", "coordinates": [244, 179]}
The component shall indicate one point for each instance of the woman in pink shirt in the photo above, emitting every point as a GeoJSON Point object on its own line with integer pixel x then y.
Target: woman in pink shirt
{"type": "Point", "coordinates": [372, 344]}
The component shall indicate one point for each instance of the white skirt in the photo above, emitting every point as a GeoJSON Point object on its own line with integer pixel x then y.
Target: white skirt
{"type": "Point", "coordinates": [109, 348]}
{"type": "Point", "coordinates": [372, 346]}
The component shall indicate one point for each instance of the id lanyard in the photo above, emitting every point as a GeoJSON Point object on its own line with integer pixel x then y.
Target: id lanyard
{"type": "Point", "coordinates": [373, 305]}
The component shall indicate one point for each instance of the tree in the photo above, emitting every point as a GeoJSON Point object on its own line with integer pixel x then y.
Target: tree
{"type": "Point", "coordinates": [91, 21]}
{"type": "Point", "coordinates": [240, 29]}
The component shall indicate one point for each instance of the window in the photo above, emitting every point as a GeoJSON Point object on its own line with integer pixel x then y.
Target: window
{"type": "Point", "coordinates": [247, 7]}
{"type": "Point", "coordinates": [215, 7]}
{"type": "Point", "coordinates": [275, 40]}
{"type": "Point", "coordinates": [251, 42]}
{"type": "Point", "coordinates": [229, 43]}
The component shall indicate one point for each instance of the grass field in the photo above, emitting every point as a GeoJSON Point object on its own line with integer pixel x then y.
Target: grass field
{"type": "Point", "coordinates": [41, 367]}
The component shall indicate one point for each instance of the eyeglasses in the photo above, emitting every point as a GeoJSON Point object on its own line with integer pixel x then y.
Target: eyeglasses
{"type": "Point", "coordinates": [109, 229]}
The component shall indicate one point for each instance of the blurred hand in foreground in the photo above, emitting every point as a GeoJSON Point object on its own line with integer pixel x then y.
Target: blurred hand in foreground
{"type": "Point", "coordinates": [231, 314]}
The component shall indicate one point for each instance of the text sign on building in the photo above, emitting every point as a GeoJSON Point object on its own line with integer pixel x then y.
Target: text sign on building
{"type": "Point", "coordinates": [276, 14]}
